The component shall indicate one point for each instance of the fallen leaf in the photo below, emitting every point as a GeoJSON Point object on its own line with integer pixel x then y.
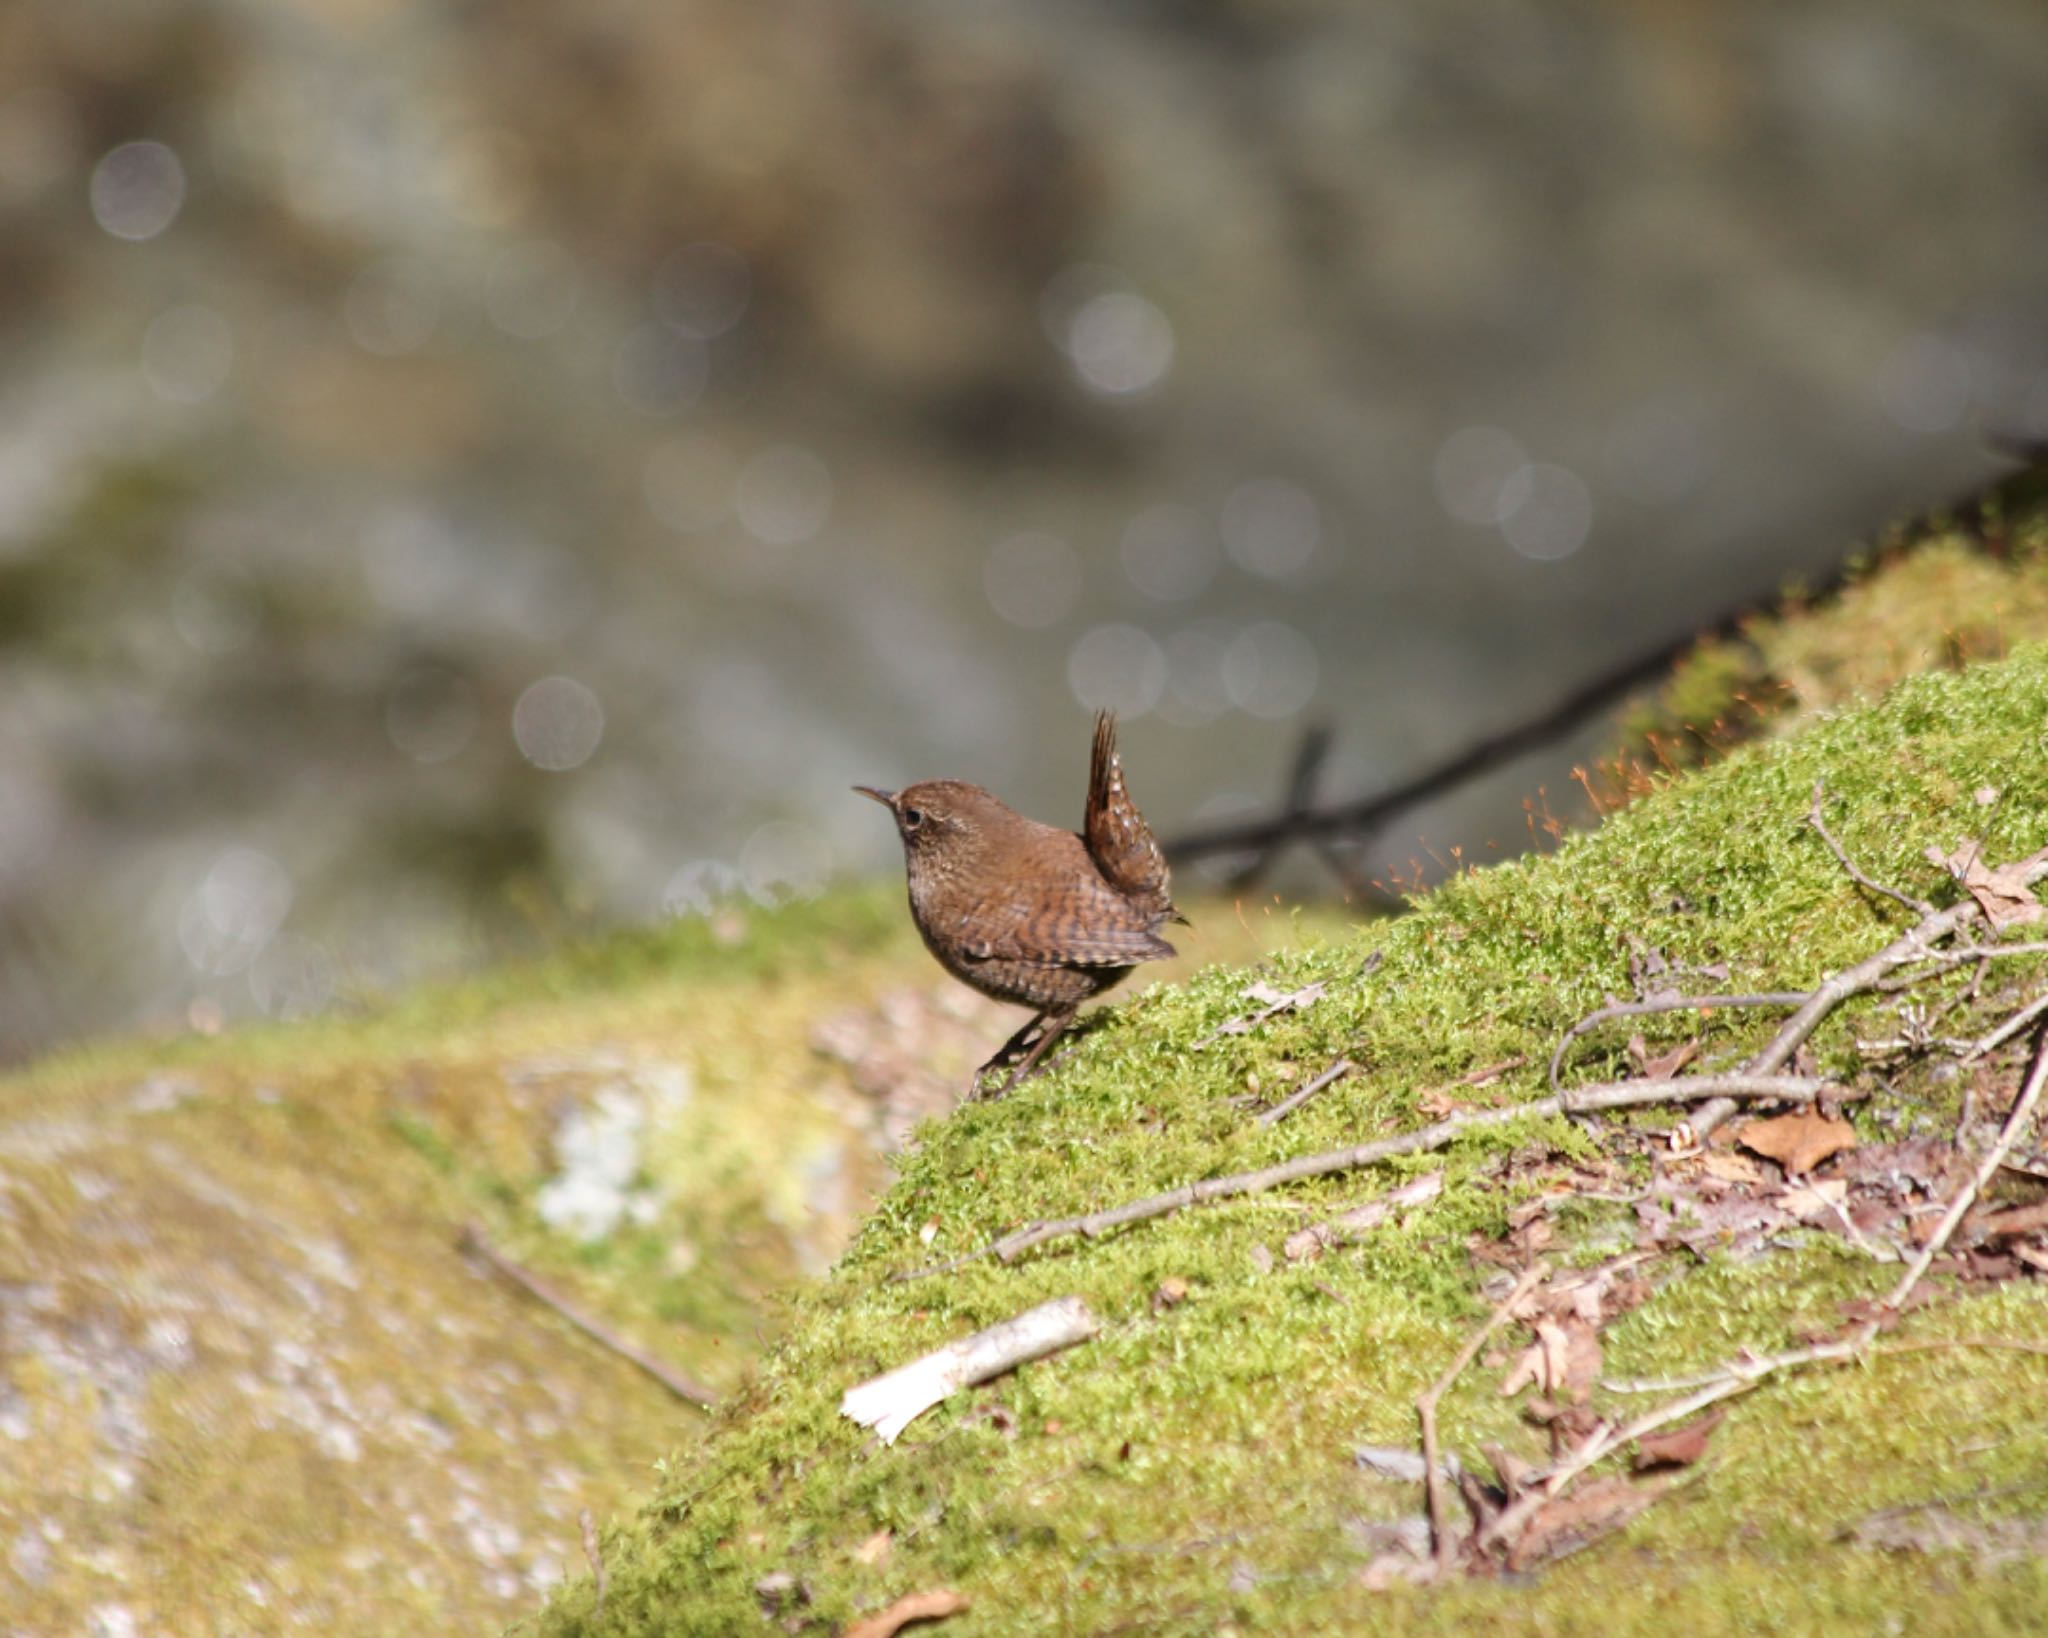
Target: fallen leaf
{"type": "Point", "coordinates": [1663, 1065]}
{"type": "Point", "coordinates": [1680, 1446]}
{"type": "Point", "coordinates": [2001, 1225]}
{"type": "Point", "coordinates": [875, 1549]}
{"type": "Point", "coordinates": [1799, 1141]}
{"type": "Point", "coordinates": [2001, 893]}
{"type": "Point", "coordinates": [1727, 1167]}
{"type": "Point", "coordinates": [1261, 1259]}
{"type": "Point", "coordinates": [935, 1605]}
{"type": "Point", "coordinates": [1578, 1518]}
{"type": "Point", "coordinates": [1806, 1201]}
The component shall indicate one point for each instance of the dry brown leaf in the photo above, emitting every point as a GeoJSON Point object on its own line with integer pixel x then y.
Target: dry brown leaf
{"type": "Point", "coordinates": [935, 1605]}
{"type": "Point", "coordinates": [1579, 1517]}
{"type": "Point", "coordinates": [2001, 893]}
{"type": "Point", "coordinates": [1662, 1065]}
{"type": "Point", "coordinates": [1680, 1446]}
{"type": "Point", "coordinates": [1806, 1201]}
{"type": "Point", "coordinates": [1526, 1370]}
{"type": "Point", "coordinates": [1799, 1141]}
{"type": "Point", "coordinates": [1729, 1167]}
{"type": "Point", "coordinates": [876, 1548]}
{"type": "Point", "coordinates": [2000, 1225]}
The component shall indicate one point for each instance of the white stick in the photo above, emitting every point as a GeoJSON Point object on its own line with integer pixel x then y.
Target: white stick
{"type": "Point", "coordinates": [890, 1402]}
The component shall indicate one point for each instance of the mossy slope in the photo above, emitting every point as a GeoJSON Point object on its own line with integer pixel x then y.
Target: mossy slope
{"type": "Point", "coordinates": [1942, 593]}
{"type": "Point", "coordinates": [1191, 1469]}
{"type": "Point", "coordinates": [249, 1383]}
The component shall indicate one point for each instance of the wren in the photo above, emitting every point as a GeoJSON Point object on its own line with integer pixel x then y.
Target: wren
{"type": "Point", "coordinates": [1030, 913]}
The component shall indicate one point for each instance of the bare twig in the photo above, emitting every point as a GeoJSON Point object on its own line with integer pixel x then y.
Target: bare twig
{"type": "Point", "coordinates": [1670, 1003]}
{"type": "Point", "coordinates": [1915, 944]}
{"type": "Point", "coordinates": [1360, 1220]}
{"type": "Point", "coordinates": [472, 1241]}
{"type": "Point", "coordinates": [1426, 1140]}
{"type": "Point", "coordinates": [1491, 1072]}
{"type": "Point", "coordinates": [890, 1402]}
{"type": "Point", "coordinates": [1813, 818]}
{"type": "Point", "coordinates": [1286, 1106]}
{"type": "Point", "coordinates": [2022, 1111]}
{"type": "Point", "coordinates": [2007, 1030]}
{"type": "Point", "coordinates": [1741, 1374]}
{"type": "Point", "coordinates": [1426, 1403]}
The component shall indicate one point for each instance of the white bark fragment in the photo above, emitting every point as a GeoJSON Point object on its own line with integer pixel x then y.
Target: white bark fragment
{"type": "Point", "coordinates": [890, 1402]}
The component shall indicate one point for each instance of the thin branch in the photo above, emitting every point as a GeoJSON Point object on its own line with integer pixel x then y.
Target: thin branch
{"type": "Point", "coordinates": [2007, 1030]}
{"type": "Point", "coordinates": [2022, 1110]}
{"type": "Point", "coordinates": [1743, 1373]}
{"type": "Point", "coordinates": [1425, 1410]}
{"type": "Point", "coordinates": [1813, 818]}
{"type": "Point", "coordinates": [1673, 1003]}
{"type": "Point", "coordinates": [1915, 944]}
{"type": "Point", "coordinates": [472, 1241]}
{"type": "Point", "coordinates": [1286, 1106]}
{"type": "Point", "coordinates": [1426, 1140]}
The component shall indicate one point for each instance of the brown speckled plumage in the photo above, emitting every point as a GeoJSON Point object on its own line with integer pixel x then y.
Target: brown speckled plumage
{"type": "Point", "coordinates": [1027, 912]}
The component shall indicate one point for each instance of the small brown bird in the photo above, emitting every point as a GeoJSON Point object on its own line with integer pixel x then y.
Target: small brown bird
{"type": "Point", "coordinates": [1027, 912]}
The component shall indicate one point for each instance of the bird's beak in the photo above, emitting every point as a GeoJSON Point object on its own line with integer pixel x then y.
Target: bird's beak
{"type": "Point", "coordinates": [886, 798]}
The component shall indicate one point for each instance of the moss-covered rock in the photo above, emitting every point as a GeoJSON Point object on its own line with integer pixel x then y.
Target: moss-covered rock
{"type": "Point", "coordinates": [1944, 593]}
{"type": "Point", "coordinates": [1191, 1469]}
{"type": "Point", "coordinates": [250, 1383]}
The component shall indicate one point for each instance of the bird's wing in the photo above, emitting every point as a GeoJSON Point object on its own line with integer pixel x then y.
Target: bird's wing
{"type": "Point", "coordinates": [1081, 922]}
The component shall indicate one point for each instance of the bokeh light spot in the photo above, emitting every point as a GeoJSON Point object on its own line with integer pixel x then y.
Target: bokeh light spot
{"type": "Point", "coordinates": [137, 190]}
{"type": "Point", "coordinates": [1546, 511]}
{"type": "Point", "coordinates": [558, 724]}
{"type": "Point", "coordinates": [235, 910]}
{"type": "Point", "coordinates": [1119, 344]}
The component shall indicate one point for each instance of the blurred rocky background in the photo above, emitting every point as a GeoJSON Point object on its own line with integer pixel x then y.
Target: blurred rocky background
{"type": "Point", "coordinates": [471, 472]}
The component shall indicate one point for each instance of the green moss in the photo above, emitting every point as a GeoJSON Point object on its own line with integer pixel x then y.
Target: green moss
{"type": "Point", "coordinates": [1938, 596]}
{"type": "Point", "coordinates": [1190, 1469]}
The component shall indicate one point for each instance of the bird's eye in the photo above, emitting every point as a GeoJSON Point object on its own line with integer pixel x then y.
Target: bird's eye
{"type": "Point", "coordinates": [912, 818]}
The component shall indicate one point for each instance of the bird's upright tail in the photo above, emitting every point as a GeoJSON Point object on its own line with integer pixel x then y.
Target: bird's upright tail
{"type": "Point", "coordinates": [1119, 841]}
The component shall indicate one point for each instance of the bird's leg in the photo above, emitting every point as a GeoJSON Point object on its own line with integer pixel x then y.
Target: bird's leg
{"type": "Point", "coordinates": [1004, 1055]}
{"type": "Point", "coordinates": [1055, 1023]}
